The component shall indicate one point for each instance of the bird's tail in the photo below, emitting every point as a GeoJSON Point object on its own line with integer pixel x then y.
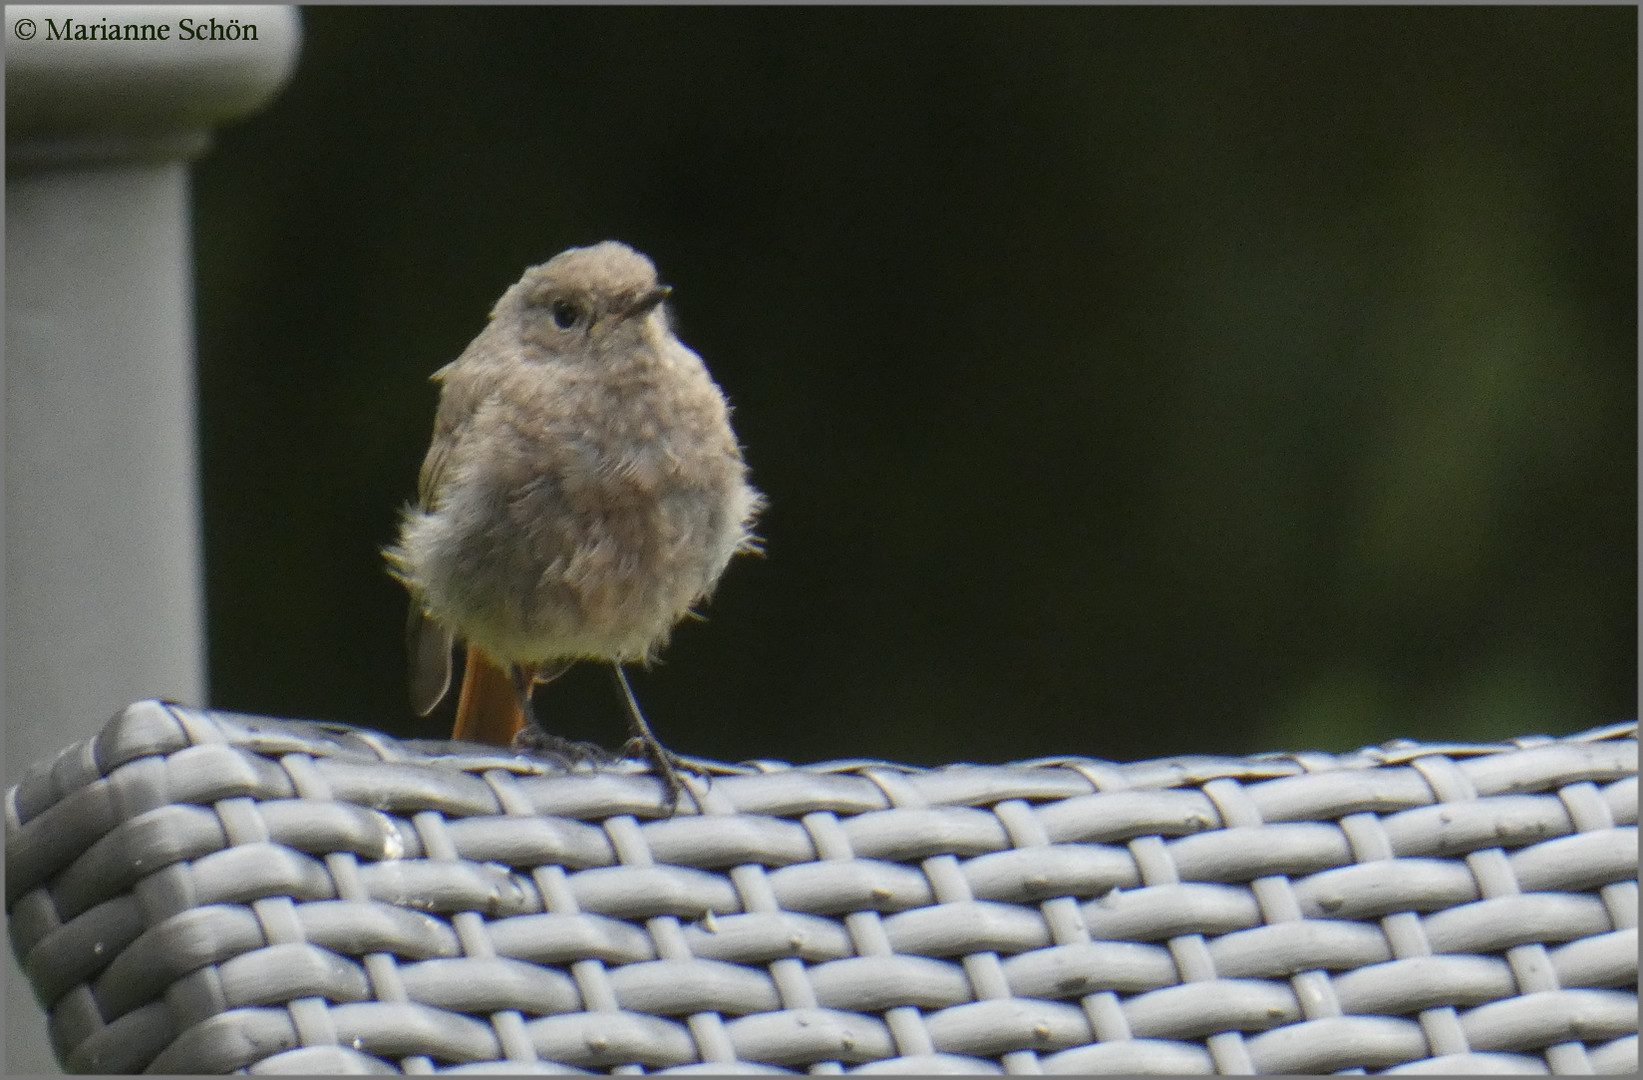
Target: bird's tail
{"type": "Point", "coordinates": [488, 710]}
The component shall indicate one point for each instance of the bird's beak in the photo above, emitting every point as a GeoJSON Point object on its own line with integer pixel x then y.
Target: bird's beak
{"type": "Point", "coordinates": [647, 302]}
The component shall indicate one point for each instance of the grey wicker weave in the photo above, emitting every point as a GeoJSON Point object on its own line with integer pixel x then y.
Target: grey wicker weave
{"type": "Point", "coordinates": [205, 892]}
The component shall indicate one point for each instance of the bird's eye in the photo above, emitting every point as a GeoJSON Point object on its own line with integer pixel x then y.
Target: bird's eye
{"type": "Point", "coordinates": [566, 313]}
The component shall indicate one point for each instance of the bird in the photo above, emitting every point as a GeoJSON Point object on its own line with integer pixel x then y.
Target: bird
{"type": "Point", "coordinates": [583, 492]}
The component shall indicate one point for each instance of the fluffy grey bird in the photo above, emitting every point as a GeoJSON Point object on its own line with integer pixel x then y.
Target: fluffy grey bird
{"type": "Point", "coordinates": [582, 492]}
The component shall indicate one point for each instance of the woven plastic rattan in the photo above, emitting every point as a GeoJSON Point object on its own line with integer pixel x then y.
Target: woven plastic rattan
{"type": "Point", "coordinates": [204, 892]}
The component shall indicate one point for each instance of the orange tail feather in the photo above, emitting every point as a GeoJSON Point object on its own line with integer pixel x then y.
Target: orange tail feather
{"type": "Point", "coordinates": [488, 710]}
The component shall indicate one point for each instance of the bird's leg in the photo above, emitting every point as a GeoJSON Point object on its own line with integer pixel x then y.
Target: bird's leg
{"type": "Point", "coordinates": [645, 744]}
{"type": "Point", "coordinates": [524, 683]}
{"type": "Point", "coordinates": [533, 736]}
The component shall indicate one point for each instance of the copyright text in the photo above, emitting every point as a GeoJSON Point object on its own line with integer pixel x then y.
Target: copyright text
{"type": "Point", "coordinates": [103, 30]}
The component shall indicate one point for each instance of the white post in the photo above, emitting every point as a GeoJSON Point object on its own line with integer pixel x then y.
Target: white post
{"type": "Point", "coordinates": [103, 590]}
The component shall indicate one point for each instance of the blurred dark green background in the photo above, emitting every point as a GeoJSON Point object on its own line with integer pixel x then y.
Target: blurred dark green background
{"type": "Point", "coordinates": [1125, 382]}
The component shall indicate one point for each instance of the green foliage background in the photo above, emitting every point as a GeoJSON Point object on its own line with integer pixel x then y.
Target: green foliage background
{"type": "Point", "coordinates": [1125, 381]}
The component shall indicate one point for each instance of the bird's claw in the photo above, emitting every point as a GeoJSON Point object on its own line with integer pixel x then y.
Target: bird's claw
{"type": "Point", "coordinates": [668, 768]}
{"type": "Point", "coordinates": [533, 740]}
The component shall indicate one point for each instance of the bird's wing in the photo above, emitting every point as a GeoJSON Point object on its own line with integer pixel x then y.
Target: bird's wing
{"type": "Point", "coordinates": [451, 418]}
{"type": "Point", "coordinates": [428, 648]}
{"type": "Point", "coordinates": [427, 643]}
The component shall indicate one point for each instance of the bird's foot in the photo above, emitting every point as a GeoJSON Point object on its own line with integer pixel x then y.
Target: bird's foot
{"type": "Point", "coordinates": [668, 768]}
{"type": "Point", "coordinates": [533, 740]}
